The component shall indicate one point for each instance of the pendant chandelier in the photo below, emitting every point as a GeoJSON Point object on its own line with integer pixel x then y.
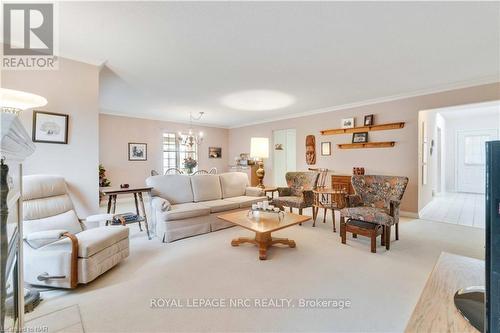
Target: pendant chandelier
{"type": "Point", "coordinates": [190, 139]}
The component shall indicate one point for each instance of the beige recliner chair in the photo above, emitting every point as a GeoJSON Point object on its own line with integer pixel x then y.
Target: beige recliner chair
{"type": "Point", "coordinates": [59, 250]}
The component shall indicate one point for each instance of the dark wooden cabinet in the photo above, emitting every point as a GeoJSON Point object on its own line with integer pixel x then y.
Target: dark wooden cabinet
{"type": "Point", "coordinates": [344, 182]}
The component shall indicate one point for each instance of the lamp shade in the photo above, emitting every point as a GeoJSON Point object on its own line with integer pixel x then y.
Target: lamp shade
{"type": "Point", "coordinates": [19, 100]}
{"type": "Point", "coordinates": [259, 147]}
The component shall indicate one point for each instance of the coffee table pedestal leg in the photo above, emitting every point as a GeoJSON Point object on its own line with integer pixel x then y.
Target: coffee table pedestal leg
{"type": "Point", "coordinates": [263, 240]}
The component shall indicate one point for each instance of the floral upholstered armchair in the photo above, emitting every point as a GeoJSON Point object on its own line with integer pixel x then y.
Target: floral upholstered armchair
{"type": "Point", "coordinates": [377, 200]}
{"type": "Point", "coordinates": [298, 194]}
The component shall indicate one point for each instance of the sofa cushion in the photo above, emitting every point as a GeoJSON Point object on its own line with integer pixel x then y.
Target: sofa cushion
{"type": "Point", "coordinates": [185, 211]}
{"type": "Point", "coordinates": [91, 241]}
{"type": "Point", "coordinates": [246, 201]}
{"type": "Point", "coordinates": [175, 188]}
{"type": "Point", "coordinates": [233, 184]}
{"type": "Point", "coordinates": [206, 187]}
{"type": "Point", "coordinates": [217, 206]}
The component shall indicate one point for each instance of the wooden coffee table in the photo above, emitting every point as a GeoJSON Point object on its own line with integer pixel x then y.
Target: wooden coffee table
{"type": "Point", "coordinates": [263, 227]}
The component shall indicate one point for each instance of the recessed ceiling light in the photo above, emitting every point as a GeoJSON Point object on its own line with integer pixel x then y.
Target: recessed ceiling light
{"type": "Point", "coordinates": [257, 100]}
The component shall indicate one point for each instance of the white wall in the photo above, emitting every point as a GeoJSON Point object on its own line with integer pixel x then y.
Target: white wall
{"type": "Point", "coordinates": [401, 160]}
{"type": "Point", "coordinates": [116, 132]}
{"type": "Point", "coordinates": [72, 89]}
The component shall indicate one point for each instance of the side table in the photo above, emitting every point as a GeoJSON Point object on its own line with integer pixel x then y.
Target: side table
{"type": "Point", "coordinates": [270, 189]}
{"type": "Point", "coordinates": [112, 193]}
{"type": "Point", "coordinates": [328, 199]}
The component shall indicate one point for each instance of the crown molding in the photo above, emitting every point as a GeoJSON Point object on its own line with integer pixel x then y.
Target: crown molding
{"type": "Point", "coordinates": [195, 124]}
{"type": "Point", "coordinates": [454, 86]}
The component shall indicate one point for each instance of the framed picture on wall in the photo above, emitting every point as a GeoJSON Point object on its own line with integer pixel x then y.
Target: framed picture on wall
{"type": "Point", "coordinates": [368, 120]}
{"type": "Point", "coordinates": [361, 137]}
{"type": "Point", "coordinates": [50, 127]}
{"type": "Point", "coordinates": [326, 148]}
{"type": "Point", "coordinates": [214, 152]}
{"type": "Point", "coordinates": [347, 123]}
{"type": "Point", "coordinates": [137, 151]}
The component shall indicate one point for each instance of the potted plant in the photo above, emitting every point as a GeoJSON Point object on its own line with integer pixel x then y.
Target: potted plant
{"type": "Point", "coordinates": [190, 163]}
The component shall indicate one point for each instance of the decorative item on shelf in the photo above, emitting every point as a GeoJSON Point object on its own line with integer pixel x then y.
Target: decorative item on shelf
{"type": "Point", "coordinates": [137, 151]}
{"type": "Point", "coordinates": [259, 149]}
{"type": "Point", "coordinates": [189, 139]}
{"type": "Point", "coordinates": [347, 123]}
{"type": "Point", "coordinates": [15, 101]}
{"type": "Point", "coordinates": [190, 163]}
{"type": "Point", "coordinates": [381, 127]}
{"type": "Point", "coordinates": [326, 148]}
{"type": "Point", "coordinates": [358, 171]}
{"type": "Point", "coordinates": [368, 120]}
{"type": "Point", "coordinates": [214, 152]}
{"type": "Point", "coordinates": [278, 146]}
{"type": "Point", "coordinates": [310, 150]}
{"type": "Point", "coordinates": [360, 137]}
{"type": "Point", "coordinates": [124, 185]}
{"type": "Point", "coordinates": [49, 127]}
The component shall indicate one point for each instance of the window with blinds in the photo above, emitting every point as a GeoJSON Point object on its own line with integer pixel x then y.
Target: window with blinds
{"type": "Point", "coordinates": [174, 153]}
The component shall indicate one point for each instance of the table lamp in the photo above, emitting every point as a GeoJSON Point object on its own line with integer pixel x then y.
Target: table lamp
{"type": "Point", "coordinates": [259, 148]}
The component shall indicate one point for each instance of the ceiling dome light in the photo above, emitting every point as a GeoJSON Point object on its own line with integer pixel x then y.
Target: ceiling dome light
{"type": "Point", "coordinates": [257, 100]}
{"type": "Point", "coordinates": [14, 101]}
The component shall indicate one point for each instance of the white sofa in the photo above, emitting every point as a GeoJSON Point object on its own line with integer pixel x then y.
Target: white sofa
{"type": "Point", "coordinates": [185, 206]}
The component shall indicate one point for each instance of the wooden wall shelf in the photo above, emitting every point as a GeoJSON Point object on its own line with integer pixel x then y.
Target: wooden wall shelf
{"type": "Point", "coordinates": [387, 144]}
{"type": "Point", "coordinates": [382, 127]}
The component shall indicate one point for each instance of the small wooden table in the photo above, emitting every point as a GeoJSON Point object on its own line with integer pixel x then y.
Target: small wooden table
{"type": "Point", "coordinates": [270, 189]}
{"type": "Point", "coordinates": [112, 193]}
{"type": "Point", "coordinates": [328, 198]}
{"type": "Point", "coordinates": [263, 227]}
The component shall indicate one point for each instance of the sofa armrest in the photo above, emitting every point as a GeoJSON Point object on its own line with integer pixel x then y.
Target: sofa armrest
{"type": "Point", "coordinates": [254, 192]}
{"type": "Point", "coordinates": [354, 200]}
{"type": "Point", "coordinates": [41, 238]}
{"type": "Point", "coordinates": [160, 204]}
{"type": "Point", "coordinates": [284, 191]}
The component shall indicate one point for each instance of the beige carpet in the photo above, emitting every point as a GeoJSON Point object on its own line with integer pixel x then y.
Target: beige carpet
{"type": "Point", "coordinates": [383, 288]}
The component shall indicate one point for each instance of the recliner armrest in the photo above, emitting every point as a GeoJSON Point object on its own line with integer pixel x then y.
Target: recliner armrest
{"type": "Point", "coordinates": [99, 217]}
{"type": "Point", "coordinates": [254, 192]}
{"type": "Point", "coordinates": [41, 238]}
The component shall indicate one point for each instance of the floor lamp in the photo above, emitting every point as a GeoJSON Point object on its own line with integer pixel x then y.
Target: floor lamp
{"type": "Point", "coordinates": [259, 149]}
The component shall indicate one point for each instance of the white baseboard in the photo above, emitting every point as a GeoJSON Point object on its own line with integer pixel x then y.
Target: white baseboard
{"type": "Point", "coordinates": [412, 215]}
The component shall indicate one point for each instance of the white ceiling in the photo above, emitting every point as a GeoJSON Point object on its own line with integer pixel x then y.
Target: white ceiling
{"type": "Point", "coordinates": [164, 60]}
{"type": "Point", "coordinates": [474, 110]}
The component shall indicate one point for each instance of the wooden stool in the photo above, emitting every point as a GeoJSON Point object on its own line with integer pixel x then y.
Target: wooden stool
{"type": "Point", "coordinates": [371, 230]}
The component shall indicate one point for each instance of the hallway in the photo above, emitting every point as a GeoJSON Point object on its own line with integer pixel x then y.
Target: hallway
{"type": "Point", "coordinates": [457, 208]}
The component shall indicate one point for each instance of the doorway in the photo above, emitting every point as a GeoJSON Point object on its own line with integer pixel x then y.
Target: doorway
{"type": "Point", "coordinates": [284, 154]}
{"type": "Point", "coordinates": [452, 141]}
